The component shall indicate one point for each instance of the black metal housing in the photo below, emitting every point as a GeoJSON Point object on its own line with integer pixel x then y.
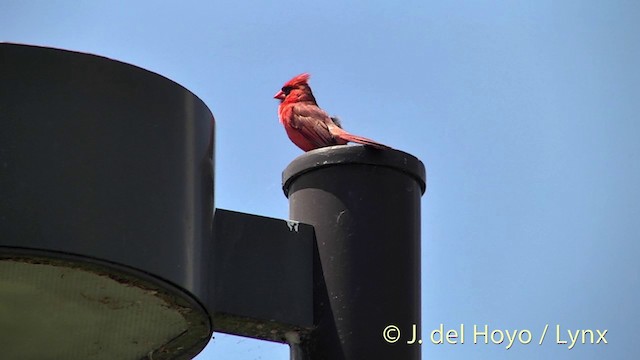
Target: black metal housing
{"type": "Point", "coordinates": [104, 161]}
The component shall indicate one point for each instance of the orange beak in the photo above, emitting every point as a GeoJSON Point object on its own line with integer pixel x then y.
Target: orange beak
{"type": "Point", "coordinates": [279, 95]}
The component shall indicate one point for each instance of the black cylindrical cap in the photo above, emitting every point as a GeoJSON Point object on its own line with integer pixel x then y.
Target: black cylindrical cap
{"type": "Point", "coordinates": [364, 205]}
{"type": "Point", "coordinates": [337, 155]}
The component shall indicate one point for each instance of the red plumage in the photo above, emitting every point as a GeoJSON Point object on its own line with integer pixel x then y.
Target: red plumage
{"type": "Point", "coordinates": [306, 124]}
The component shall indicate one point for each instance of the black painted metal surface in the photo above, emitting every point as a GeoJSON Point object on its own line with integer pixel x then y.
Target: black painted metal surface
{"type": "Point", "coordinates": [364, 205]}
{"type": "Point", "coordinates": [105, 160]}
{"type": "Point", "coordinates": [263, 275]}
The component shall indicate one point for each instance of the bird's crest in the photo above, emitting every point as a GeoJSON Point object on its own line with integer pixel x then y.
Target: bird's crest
{"type": "Point", "coordinates": [300, 79]}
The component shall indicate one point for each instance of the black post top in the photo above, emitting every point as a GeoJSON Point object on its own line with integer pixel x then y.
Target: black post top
{"type": "Point", "coordinates": [363, 155]}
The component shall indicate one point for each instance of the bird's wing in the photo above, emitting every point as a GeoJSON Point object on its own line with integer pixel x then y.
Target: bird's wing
{"type": "Point", "coordinates": [313, 123]}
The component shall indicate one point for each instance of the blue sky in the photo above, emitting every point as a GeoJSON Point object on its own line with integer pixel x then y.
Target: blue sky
{"type": "Point", "coordinates": [525, 113]}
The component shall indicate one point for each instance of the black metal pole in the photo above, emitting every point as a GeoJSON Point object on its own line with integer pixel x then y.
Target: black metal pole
{"type": "Point", "coordinates": [365, 207]}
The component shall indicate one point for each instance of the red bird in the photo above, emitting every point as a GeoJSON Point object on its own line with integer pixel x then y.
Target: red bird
{"type": "Point", "coordinates": [308, 126]}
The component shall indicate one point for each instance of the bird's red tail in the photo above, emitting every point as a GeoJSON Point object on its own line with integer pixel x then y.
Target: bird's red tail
{"type": "Point", "coordinates": [362, 140]}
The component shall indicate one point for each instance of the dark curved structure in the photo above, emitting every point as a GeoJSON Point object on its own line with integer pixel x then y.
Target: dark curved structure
{"type": "Point", "coordinates": [105, 171]}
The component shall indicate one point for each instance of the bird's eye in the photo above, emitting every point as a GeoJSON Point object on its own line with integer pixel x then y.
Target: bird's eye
{"type": "Point", "coordinates": [286, 90]}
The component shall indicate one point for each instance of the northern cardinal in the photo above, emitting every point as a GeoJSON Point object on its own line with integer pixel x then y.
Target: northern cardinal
{"type": "Point", "coordinates": [308, 126]}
